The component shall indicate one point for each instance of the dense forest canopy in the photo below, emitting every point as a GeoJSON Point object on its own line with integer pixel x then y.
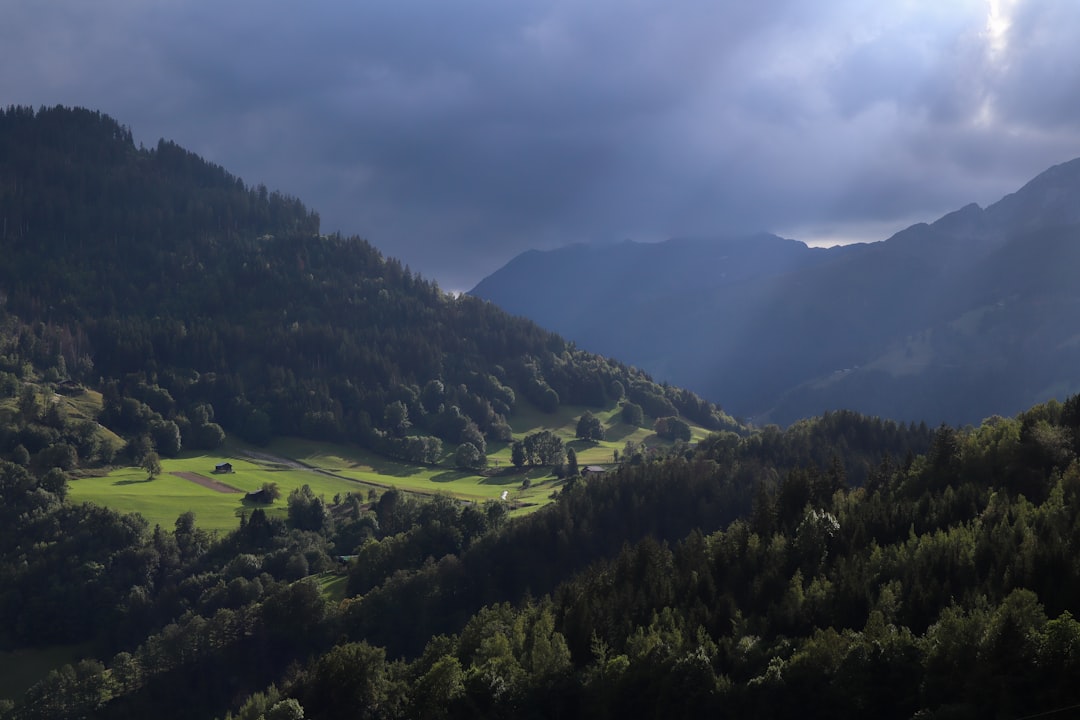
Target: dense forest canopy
{"type": "Point", "coordinates": [846, 566]}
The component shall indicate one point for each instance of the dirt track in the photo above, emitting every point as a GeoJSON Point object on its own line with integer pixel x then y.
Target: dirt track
{"type": "Point", "coordinates": [207, 482]}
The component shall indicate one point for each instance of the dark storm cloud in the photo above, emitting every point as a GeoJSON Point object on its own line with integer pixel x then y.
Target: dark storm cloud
{"type": "Point", "coordinates": [454, 135]}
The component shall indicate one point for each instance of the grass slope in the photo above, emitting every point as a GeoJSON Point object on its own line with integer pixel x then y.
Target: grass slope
{"type": "Point", "coordinates": [332, 585]}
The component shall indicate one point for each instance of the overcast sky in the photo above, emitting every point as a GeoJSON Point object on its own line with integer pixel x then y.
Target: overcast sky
{"type": "Point", "coordinates": [456, 134]}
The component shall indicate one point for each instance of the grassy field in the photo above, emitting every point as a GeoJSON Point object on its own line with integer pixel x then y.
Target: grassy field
{"type": "Point", "coordinates": [375, 470]}
{"type": "Point", "coordinates": [165, 497]}
{"type": "Point", "coordinates": [332, 470]}
{"type": "Point", "coordinates": [329, 470]}
{"type": "Point", "coordinates": [332, 585]}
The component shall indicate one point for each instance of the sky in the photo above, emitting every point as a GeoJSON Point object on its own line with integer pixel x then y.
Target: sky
{"type": "Point", "coordinates": [455, 135]}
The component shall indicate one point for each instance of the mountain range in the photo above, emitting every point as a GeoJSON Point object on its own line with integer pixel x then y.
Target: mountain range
{"type": "Point", "coordinates": [972, 315]}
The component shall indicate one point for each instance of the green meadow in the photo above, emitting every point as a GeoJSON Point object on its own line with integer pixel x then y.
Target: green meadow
{"type": "Point", "coordinates": [332, 585]}
{"type": "Point", "coordinates": [331, 470]}
{"type": "Point", "coordinates": [167, 496]}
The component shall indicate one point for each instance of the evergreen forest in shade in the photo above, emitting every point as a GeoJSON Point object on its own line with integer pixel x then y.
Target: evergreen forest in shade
{"type": "Point", "coordinates": [846, 566]}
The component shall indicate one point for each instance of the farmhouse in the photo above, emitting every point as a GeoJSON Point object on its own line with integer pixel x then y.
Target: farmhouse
{"type": "Point", "coordinates": [70, 387]}
{"type": "Point", "coordinates": [223, 468]}
{"type": "Point", "coordinates": [592, 470]}
{"type": "Point", "coordinates": [259, 496]}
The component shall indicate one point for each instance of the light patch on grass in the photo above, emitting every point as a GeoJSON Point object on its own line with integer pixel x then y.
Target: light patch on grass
{"type": "Point", "coordinates": [332, 585]}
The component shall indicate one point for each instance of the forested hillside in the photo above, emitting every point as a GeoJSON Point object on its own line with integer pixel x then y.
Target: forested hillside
{"type": "Point", "coordinates": [189, 298]}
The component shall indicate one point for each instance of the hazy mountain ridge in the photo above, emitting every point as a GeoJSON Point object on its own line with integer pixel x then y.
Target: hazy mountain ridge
{"type": "Point", "coordinates": [800, 331]}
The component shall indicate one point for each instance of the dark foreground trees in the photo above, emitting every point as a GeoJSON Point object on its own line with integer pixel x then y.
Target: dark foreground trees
{"type": "Point", "coordinates": [715, 583]}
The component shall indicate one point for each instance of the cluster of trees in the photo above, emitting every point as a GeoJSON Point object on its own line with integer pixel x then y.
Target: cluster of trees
{"type": "Point", "coordinates": [53, 421]}
{"type": "Point", "coordinates": [539, 448]}
{"type": "Point", "coordinates": [672, 428]}
{"type": "Point", "coordinates": [36, 428]}
{"type": "Point", "coordinates": [632, 413]}
{"type": "Point", "coordinates": [589, 428]}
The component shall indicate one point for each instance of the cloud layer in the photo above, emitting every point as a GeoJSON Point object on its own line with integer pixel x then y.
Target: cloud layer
{"type": "Point", "coordinates": [455, 135]}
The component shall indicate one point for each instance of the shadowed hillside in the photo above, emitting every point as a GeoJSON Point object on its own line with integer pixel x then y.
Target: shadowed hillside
{"type": "Point", "coordinates": [158, 269]}
{"type": "Point", "coordinates": [953, 321]}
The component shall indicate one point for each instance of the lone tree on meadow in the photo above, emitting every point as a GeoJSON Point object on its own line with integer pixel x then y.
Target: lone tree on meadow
{"type": "Point", "coordinates": [632, 414]}
{"type": "Point", "coordinates": [152, 465]}
{"type": "Point", "coordinates": [469, 457]}
{"type": "Point", "coordinates": [590, 428]}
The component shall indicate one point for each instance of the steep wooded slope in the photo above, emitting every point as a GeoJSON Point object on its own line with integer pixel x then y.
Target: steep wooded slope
{"type": "Point", "coordinates": [160, 268]}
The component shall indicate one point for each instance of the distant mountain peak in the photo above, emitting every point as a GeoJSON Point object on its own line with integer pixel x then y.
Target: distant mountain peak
{"type": "Point", "coordinates": [978, 307]}
{"type": "Point", "coordinates": [960, 220]}
{"type": "Point", "coordinates": [1066, 173]}
{"type": "Point", "coordinates": [1051, 198]}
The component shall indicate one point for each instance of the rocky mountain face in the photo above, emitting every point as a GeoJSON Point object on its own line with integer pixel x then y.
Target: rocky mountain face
{"type": "Point", "coordinates": [972, 315]}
